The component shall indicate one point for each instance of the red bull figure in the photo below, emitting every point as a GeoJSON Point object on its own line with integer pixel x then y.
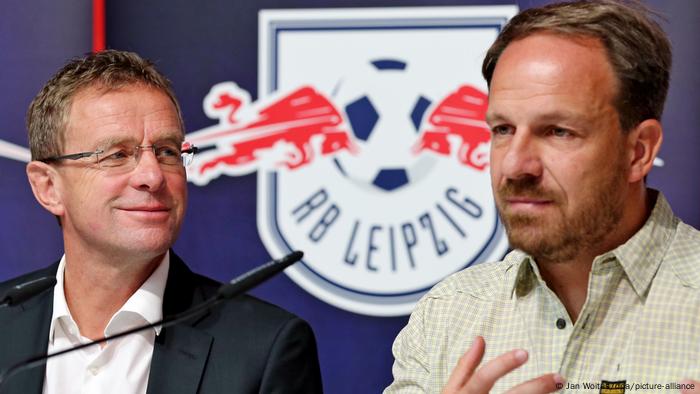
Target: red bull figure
{"type": "Point", "coordinates": [461, 114]}
{"type": "Point", "coordinates": [293, 119]}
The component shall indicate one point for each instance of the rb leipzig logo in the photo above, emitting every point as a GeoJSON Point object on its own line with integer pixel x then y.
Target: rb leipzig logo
{"type": "Point", "coordinates": [370, 148]}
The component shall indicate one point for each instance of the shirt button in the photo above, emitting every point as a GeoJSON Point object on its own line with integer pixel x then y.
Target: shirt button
{"type": "Point", "coordinates": [561, 323]}
{"type": "Point", "coordinates": [94, 371]}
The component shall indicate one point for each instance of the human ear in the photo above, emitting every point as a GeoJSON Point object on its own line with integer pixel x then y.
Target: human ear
{"type": "Point", "coordinates": [645, 140]}
{"type": "Point", "coordinates": [45, 184]}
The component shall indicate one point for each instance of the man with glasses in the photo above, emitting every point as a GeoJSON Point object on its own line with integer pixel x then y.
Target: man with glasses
{"type": "Point", "coordinates": [108, 160]}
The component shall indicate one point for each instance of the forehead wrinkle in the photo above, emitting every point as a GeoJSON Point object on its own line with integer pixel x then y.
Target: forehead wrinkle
{"type": "Point", "coordinates": [116, 121]}
{"type": "Point", "coordinates": [114, 140]}
{"type": "Point", "coordinates": [94, 95]}
{"type": "Point", "coordinates": [510, 102]}
{"type": "Point", "coordinates": [176, 138]}
{"type": "Point", "coordinates": [127, 140]}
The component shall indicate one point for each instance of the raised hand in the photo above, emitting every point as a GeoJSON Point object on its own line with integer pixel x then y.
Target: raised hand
{"type": "Point", "coordinates": [467, 379]}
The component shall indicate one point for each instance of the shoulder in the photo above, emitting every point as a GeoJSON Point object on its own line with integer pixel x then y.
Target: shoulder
{"type": "Point", "coordinates": [256, 315]}
{"type": "Point", "coordinates": [271, 344]}
{"type": "Point", "coordinates": [265, 347]}
{"type": "Point", "coordinates": [448, 317]}
{"type": "Point", "coordinates": [254, 346]}
{"type": "Point", "coordinates": [468, 296]}
{"type": "Point", "coordinates": [687, 238]}
{"type": "Point", "coordinates": [483, 281]}
{"type": "Point", "coordinates": [683, 255]}
{"type": "Point", "coordinates": [245, 315]}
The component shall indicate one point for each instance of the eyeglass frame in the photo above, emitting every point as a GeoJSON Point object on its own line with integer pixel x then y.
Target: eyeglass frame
{"type": "Point", "coordinates": [190, 149]}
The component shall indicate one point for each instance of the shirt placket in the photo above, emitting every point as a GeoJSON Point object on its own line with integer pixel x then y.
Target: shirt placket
{"type": "Point", "coordinates": [548, 326]}
{"type": "Point", "coordinates": [93, 379]}
{"type": "Point", "coordinates": [556, 330]}
{"type": "Point", "coordinates": [576, 361]}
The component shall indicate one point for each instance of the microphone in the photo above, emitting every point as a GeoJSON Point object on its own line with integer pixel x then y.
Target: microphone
{"type": "Point", "coordinates": [237, 286]}
{"type": "Point", "coordinates": [258, 275]}
{"type": "Point", "coordinates": [24, 291]}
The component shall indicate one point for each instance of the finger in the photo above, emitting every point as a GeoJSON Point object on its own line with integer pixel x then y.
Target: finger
{"type": "Point", "coordinates": [466, 366]}
{"type": "Point", "coordinates": [543, 384]}
{"type": "Point", "coordinates": [486, 376]}
{"type": "Point", "coordinates": [690, 387]}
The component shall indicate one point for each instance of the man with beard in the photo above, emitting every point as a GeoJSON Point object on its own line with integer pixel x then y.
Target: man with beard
{"type": "Point", "coordinates": [602, 290]}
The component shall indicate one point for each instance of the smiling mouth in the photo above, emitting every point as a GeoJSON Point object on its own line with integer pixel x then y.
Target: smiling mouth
{"type": "Point", "coordinates": [148, 213]}
{"type": "Point", "coordinates": [146, 209]}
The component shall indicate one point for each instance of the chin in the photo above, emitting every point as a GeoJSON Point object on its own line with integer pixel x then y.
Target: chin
{"type": "Point", "coordinates": [522, 226]}
{"type": "Point", "coordinates": [149, 243]}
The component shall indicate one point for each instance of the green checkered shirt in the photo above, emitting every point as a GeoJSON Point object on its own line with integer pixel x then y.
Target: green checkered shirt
{"type": "Point", "coordinates": [640, 322]}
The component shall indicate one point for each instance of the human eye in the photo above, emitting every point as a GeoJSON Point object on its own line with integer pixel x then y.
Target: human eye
{"type": "Point", "coordinates": [167, 150]}
{"type": "Point", "coordinates": [168, 153]}
{"type": "Point", "coordinates": [560, 132]}
{"type": "Point", "coordinates": [114, 157]}
{"type": "Point", "coordinates": [501, 130]}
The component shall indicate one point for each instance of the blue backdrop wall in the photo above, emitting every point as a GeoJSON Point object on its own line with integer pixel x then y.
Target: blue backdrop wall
{"type": "Point", "coordinates": [199, 44]}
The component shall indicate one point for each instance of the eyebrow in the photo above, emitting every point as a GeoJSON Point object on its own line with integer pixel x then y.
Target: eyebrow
{"type": "Point", "coordinates": [550, 117]}
{"type": "Point", "coordinates": [176, 138]}
{"type": "Point", "coordinates": [112, 141]}
{"type": "Point", "coordinates": [493, 117]}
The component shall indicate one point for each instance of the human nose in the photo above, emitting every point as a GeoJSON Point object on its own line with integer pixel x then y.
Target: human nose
{"type": "Point", "coordinates": [148, 173]}
{"type": "Point", "coordinates": [521, 156]}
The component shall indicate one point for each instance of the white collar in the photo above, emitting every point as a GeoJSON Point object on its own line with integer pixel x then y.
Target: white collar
{"type": "Point", "coordinates": [144, 306]}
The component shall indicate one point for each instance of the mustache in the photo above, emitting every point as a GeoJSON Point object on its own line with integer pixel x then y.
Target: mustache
{"type": "Point", "coordinates": [527, 187]}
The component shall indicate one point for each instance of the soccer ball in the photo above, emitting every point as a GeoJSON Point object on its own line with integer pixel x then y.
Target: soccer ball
{"type": "Point", "coordinates": [384, 107]}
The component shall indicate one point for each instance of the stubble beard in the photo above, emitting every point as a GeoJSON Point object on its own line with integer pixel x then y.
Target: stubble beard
{"type": "Point", "coordinates": [562, 237]}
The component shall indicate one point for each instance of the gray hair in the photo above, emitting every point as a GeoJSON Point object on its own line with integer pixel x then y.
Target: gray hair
{"type": "Point", "coordinates": [48, 113]}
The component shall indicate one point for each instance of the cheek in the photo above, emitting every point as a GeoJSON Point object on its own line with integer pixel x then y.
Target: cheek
{"type": "Point", "coordinates": [495, 159]}
{"type": "Point", "coordinates": [177, 186]}
{"type": "Point", "coordinates": [494, 155]}
{"type": "Point", "coordinates": [575, 176]}
{"type": "Point", "coordinates": [494, 179]}
{"type": "Point", "coordinates": [96, 201]}
{"type": "Point", "coordinates": [85, 191]}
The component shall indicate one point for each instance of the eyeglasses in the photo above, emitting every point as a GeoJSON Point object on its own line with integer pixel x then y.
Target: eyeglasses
{"type": "Point", "coordinates": [122, 159]}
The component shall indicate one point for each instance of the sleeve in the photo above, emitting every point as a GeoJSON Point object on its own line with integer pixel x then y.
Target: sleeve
{"type": "Point", "coordinates": [292, 365]}
{"type": "Point", "coordinates": [411, 368]}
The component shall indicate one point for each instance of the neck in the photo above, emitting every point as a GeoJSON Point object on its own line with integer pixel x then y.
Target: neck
{"type": "Point", "coordinates": [569, 279]}
{"type": "Point", "coordinates": [96, 288]}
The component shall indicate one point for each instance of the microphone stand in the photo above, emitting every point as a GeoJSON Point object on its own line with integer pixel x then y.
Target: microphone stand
{"type": "Point", "coordinates": [19, 293]}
